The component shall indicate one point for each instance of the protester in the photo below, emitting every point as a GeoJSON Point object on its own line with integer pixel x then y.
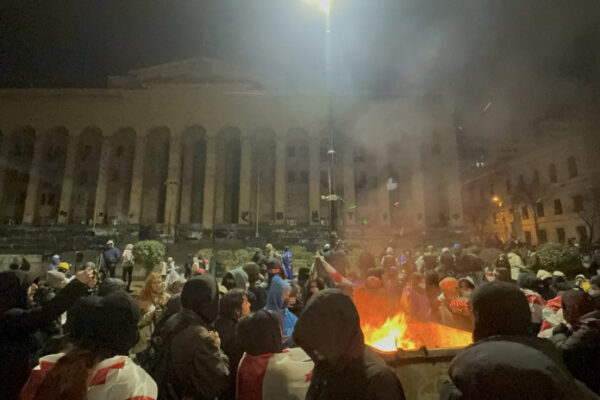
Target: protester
{"type": "Point", "coordinates": [127, 265]}
{"type": "Point", "coordinates": [329, 332]}
{"type": "Point", "coordinates": [266, 372]}
{"type": "Point", "coordinates": [233, 307]}
{"type": "Point", "coordinates": [152, 301]}
{"type": "Point", "coordinates": [191, 363]}
{"type": "Point", "coordinates": [14, 264]}
{"type": "Point", "coordinates": [255, 287]}
{"type": "Point", "coordinates": [454, 309]}
{"type": "Point", "coordinates": [546, 289]}
{"type": "Point", "coordinates": [314, 286]}
{"type": "Point", "coordinates": [579, 341]}
{"type": "Point", "coordinates": [54, 263]}
{"type": "Point", "coordinates": [96, 366]}
{"type": "Point", "coordinates": [505, 362]}
{"type": "Point", "coordinates": [236, 278]}
{"type": "Point", "coordinates": [529, 284]}
{"type": "Point", "coordinates": [288, 264]}
{"type": "Point", "coordinates": [111, 285]}
{"type": "Point", "coordinates": [19, 322]}
{"type": "Point", "coordinates": [296, 301]}
{"type": "Point", "coordinates": [110, 258]}
{"type": "Point", "coordinates": [414, 298]}
{"type": "Point", "coordinates": [278, 299]}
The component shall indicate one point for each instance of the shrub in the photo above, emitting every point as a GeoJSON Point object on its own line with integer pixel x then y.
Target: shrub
{"type": "Point", "coordinates": [149, 253]}
{"type": "Point", "coordinates": [561, 257]}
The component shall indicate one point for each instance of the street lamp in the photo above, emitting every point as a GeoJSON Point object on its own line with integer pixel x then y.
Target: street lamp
{"type": "Point", "coordinates": [324, 6]}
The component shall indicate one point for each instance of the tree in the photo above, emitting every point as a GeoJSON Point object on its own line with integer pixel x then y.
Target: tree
{"type": "Point", "coordinates": [529, 194]}
{"type": "Point", "coordinates": [148, 253]}
{"type": "Point", "coordinates": [590, 213]}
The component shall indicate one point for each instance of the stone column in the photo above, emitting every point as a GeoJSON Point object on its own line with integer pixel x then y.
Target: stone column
{"type": "Point", "coordinates": [187, 181]}
{"type": "Point", "coordinates": [208, 206]}
{"type": "Point", "coordinates": [245, 180]}
{"type": "Point", "coordinates": [280, 176]}
{"type": "Point", "coordinates": [66, 194]}
{"type": "Point", "coordinates": [349, 190]}
{"type": "Point", "coordinates": [102, 184]}
{"type": "Point", "coordinates": [314, 180]}
{"type": "Point", "coordinates": [137, 180]}
{"type": "Point", "coordinates": [4, 147]}
{"type": "Point", "coordinates": [173, 182]}
{"type": "Point", "coordinates": [31, 200]}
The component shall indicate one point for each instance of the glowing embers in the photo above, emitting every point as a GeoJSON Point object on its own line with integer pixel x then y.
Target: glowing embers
{"type": "Point", "coordinates": [387, 327]}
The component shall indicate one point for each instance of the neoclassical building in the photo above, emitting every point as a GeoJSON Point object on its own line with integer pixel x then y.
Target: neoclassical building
{"type": "Point", "coordinates": [200, 144]}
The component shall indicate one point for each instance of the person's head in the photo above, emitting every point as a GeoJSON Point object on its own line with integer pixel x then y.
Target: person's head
{"type": "Point", "coordinates": [329, 328]}
{"type": "Point", "coordinates": [153, 286]}
{"type": "Point", "coordinates": [295, 295]}
{"type": "Point", "coordinates": [316, 285]}
{"type": "Point", "coordinates": [576, 303]}
{"type": "Point", "coordinates": [111, 285]}
{"type": "Point", "coordinates": [594, 289]}
{"type": "Point", "coordinates": [201, 295]}
{"type": "Point", "coordinates": [253, 272]}
{"type": "Point", "coordinates": [234, 305]}
{"type": "Point", "coordinates": [129, 247]}
{"type": "Point", "coordinates": [466, 287]}
{"type": "Point", "coordinates": [110, 243]}
{"type": "Point", "coordinates": [528, 280]}
{"type": "Point", "coordinates": [63, 267]}
{"type": "Point", "coordinates": [303, 275]}
{"type": "Point", "coordinates": [14, 286]}
{"type": "Point", "coordinates": [274, 268]}
{"type": "Point", "coordinates": [500, 308]}
{"type": "Point", "coordinates": [268, 247]}
{"type": "Point", "coordinates": [545, 278]}
{"type": "Point", "coordinates": [56, 280]}
{"type": "Point", "coordinates": [502, 261]}
{"type": "Point", "coordinates": [503, 274]}
{"type": "Point", "coordinates": [278, 295]}
{"type": "Point", "coordinates": [14, 264]}
{"type": "Point", "coordinates": [261, 333]}
{"type": "Point", "coordinates": [100, 328]}
{"type": "Point", "coordinates": [176, 286]}
{"type": "Point", "coordinates": [449, 287]}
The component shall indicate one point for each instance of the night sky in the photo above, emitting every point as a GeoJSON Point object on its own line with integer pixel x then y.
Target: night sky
{"type": "Point", "coordinates": [486, 50]}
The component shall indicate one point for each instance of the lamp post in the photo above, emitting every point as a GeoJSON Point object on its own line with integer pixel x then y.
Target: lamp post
{"type": "Point", "coordinates": [324, 6]}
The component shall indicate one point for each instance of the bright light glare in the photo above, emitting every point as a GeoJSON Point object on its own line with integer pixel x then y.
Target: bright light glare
{"type": "Point", "coordinates": [322, 5]}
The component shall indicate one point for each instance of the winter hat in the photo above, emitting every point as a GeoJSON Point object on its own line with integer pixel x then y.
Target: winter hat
{"type": "Point", "coordinates": [110, 243]}
{"type": "Point", "coordinates": [64, 265]}
{"type": "Point", "coordinates": [448, 284]}
{"type": "Point", "coordinates": [468, 279]}
{"type": "Point", "coordinates": [543, 274]}
{"type": "Point", "coordinates": [106, 322]}
{"type": "Point", "coordinates": [55, 279]}
{"type": "Point", "coordinates": [273, 264]}
{"type": "Point", "coordinates": [558, 273]}
{"type": "Point", "coordinates": [500, 308]}
{"type": "Point", "coordinates": [201, 295]}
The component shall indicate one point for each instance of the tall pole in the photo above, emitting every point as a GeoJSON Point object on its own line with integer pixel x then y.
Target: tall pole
{"type": "Point", "coordinates": [333, 218]}
{"type": "Point", "coordinates": [257, 199]}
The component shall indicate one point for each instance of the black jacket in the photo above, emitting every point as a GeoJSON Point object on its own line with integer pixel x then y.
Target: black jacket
{"type": "Point", "coordinates": [227, 329]}
{"type": "Point", "coordinates": [18, 326]}
{"type": "Point", "coordinates": [511, 367]}
{"type": "Point", "coordinates": [581, 349]}
{"type": "Point", "coordinates": [329, 331]}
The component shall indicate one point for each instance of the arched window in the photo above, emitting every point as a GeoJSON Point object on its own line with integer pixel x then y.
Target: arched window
{"type": "Point", "coordinates": [552, 174]}
{"type": "Point", "coordinates": [572, 164]}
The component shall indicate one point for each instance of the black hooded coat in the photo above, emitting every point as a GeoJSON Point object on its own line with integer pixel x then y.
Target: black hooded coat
{"type": "Point", "coordinates": [18, 324]}
{"type": "Point", "coordinates": [329, 331]}
{"type": "Point", "coordinates": [504, 362]}
{"type": "Point", "coordinates": [196, 368]}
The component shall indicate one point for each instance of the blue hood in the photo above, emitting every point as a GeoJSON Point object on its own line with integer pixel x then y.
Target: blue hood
{"type": "Point", "coordinates": [275, 295]}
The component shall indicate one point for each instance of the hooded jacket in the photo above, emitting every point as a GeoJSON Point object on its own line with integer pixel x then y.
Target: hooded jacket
{"type": "Point", "coordinates": [329, 332]}
{"type": "Point", "coordinates": [276, 303]}
{"type": "Point", "coordinates": [504, 362]}
{"type": "Point", "coordinates": [196, 367]}
{"type": "Point", "coordinates": [18, 324]}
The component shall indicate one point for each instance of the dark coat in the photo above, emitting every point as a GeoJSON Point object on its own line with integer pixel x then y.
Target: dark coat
{"type": "Point", "coordinates": [581, 349]}
{"type": "Point", "coordinates": [329, 331]}
{"type": "Point", "coordinates": [260, 297]}
{"type": "Point", "coordinates": [227, 329]}
{"type": "Point", "coordinates": [18, 326]}
{"type": "Point", "coordinates": [195, 366]}
{"type": "Point", "coordinates": [511, 367]}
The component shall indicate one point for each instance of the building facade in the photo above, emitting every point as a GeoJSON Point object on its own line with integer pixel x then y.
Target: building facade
{"type": "Point", "coordinates": [198, 144]}
{"type": "Point", "coordinates": [546, 191]}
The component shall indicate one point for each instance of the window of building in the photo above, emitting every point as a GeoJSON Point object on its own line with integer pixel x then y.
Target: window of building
{"type": "Point", "coordinates": [552, 174]}
{"type": "Point", "coordinates": [539, 209]}
{"type": "Point", "coordinates": [536, 178]}
{"type": "Point", "coordinates": [291, 176]}
{"type": "Point", "coordinates": [557, 207]}
{"type": "Point", "coordinates": [304, 176]}
{"type": "Point", "coordinates": [572, 165]}
{"type": "Point", "coordinates": [560, 235]}
{"type": "Point", "coordinates": [291, 151]}
{"type": "Point", "coordinates": [508, 186]}
{"type": "Point", "coordinates": [525, 212]}
{"type": "Point", "coordinates": [527, 235]}
{"type": "Point", "coordinates": [324, 179]}
{"type": "Point", "coordinates": [542, 236]}
{"type": "Point", "coordinates": [577, 203]}
{"type": "Point", "coordinates": [521, 183]}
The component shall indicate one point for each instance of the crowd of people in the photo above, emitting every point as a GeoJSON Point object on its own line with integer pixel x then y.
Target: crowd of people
{"type": "Point", "coordinates": [269, 329]}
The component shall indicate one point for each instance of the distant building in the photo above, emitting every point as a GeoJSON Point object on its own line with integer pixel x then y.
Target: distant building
{"type": "Point", "coordinates": [552, 182]}
{"type": "Point", "coordinates": [199, 144]}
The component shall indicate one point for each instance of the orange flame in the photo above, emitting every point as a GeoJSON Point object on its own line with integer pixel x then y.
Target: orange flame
{"type": "Point", "coordinates": [387, 328]}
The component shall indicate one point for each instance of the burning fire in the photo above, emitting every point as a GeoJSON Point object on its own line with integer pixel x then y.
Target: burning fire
{"type": "Point", "coordinates": [387, 328]}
